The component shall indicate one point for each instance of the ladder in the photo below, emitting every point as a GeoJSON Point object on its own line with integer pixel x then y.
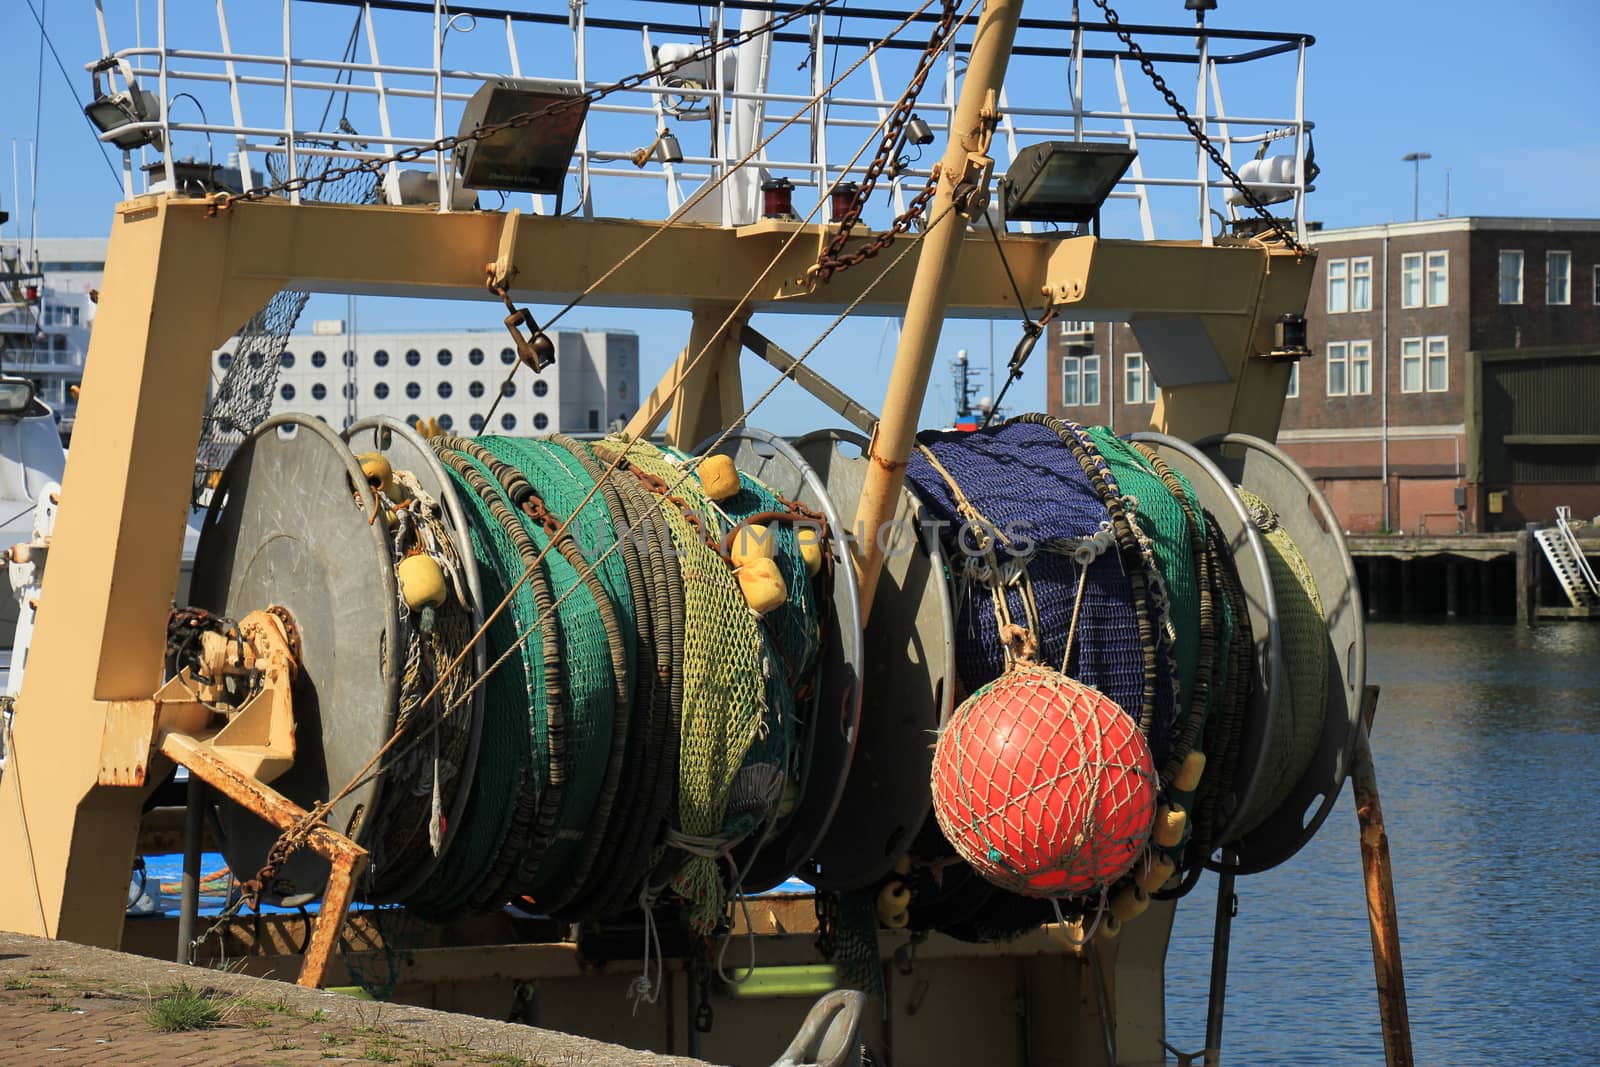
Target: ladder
{"type": "Point", "coordinates": [1567, 560]}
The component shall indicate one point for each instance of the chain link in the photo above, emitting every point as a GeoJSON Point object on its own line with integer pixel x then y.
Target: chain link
{"type": "Point", "coordinates": [413, 153]}
{"type": "Point", "coordinates": [834, 258]}
{"type": "Point", "coordinates": [1196, 132]}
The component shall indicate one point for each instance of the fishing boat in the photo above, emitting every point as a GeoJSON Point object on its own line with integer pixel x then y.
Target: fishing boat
{"type": "Point", "coordinates": [659, 736]}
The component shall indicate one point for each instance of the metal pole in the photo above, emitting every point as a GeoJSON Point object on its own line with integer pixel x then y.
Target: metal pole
{"type": "Point", "coordinates": [930, 292]}
{"type": "Point", "coordinates": [1381, 916]}
{"type": "Point", "coordinates": [1227, 905]}
{"type": "Point", "coordinates": [189, 898]}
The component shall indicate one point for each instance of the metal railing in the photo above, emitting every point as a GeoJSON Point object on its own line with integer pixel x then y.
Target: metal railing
{"type": "Point", "coordinates": [266, 79]}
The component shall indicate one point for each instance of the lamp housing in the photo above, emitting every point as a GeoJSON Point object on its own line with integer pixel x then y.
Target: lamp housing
{"type": "Point", "coordinates": [527, 159]}
{"type": "Point", "coordinates": [1289, 337]}
{"type": "Point", "coordinates": [1062, 181]}
{"type": "Point", "coordinates": [918, 132]}
{"type": "Point", "coordinates": [114, 111]}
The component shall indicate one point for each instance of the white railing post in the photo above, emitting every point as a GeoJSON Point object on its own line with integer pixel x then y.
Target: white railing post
{"type": "Point", "coordinates": [1300, 143]}
{"type": "Point", "coordinates": [161, 81]}
{"type": "Point", "coordinates": [291, 160]}
{"type": "Point", "coordinates": [1146, 224]}
{"type": "Point", "coordinates": [392, 192]}
{"type": "Point", "coordinates": [1202, 161]}
{"type": "Point", "coordinates": [246, 179]}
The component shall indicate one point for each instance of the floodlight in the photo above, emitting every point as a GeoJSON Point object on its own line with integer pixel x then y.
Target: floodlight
{"type": "Point", "coordinates": [527, 159]}
{"type": "Point", "coordinates": [918, 132]}
{"type": "Point", "coordinates": [1063, 181]}
{"type": "Point", "coordinates": [15, 395]}
{"type": "Point", "coordinates": [112, 111]}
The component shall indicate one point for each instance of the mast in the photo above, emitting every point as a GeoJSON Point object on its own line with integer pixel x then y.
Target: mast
{"type": "Point", "coordinates": [965, 153]}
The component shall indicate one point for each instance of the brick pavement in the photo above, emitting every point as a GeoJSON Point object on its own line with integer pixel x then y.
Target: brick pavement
{"type": "Point", "coordinates": [69, 1004]}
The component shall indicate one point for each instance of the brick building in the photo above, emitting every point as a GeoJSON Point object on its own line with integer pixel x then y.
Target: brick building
{"type": "Point", "coordinates": [1455, 361]}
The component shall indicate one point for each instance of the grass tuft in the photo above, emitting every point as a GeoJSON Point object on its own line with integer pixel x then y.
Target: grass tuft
{"type": "Point", "coordinates": [182, 1008]}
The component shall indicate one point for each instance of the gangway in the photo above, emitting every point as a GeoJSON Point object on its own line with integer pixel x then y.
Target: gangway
{"type": "Point", "coordinates": [1568, 562]}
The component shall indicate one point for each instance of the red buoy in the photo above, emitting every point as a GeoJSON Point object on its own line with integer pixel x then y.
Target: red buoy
{"type": "Point", "coordinates": [1044, 785]}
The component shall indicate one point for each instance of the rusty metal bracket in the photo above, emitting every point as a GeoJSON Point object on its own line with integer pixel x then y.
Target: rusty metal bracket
{"type": "Point", "coordinates": [348, 859]}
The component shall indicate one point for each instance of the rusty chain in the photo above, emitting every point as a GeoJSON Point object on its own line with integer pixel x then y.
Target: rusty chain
{"type": "Point", "coordinates": [413, 153]}
{"type": "Point", "coordinates": [1196, 132]}
{"type": "Point", "coordinates": [834, 258]}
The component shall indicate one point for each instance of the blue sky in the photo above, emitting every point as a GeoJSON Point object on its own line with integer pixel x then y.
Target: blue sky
{"type": "Point", "coordinates": [1496, 92]}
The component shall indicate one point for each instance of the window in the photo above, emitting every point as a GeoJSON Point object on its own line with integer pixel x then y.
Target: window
{"type": "Point", "coordinates": [446, 422]}
{"type": "Point", "coordinates": [413, 357]}
{"type": "Point", "coordinates": [58, 315]}
{"type": "Point", "coordinates": [594, 419]}
{"type": "Point", "coordinates": [1511, 277]}
{"type": "Point", "coordinates": [1597, 285]}
{"type": "Point", "coordinates": [444, 390]}
{"type": "Point", "coordinates": [1424, 364]}
{"type": "Point", "coordinates": [349, 358]}
{"type": "Point", "coordinates": [349, 391]}
{"type": "Point", "coordinates": [381, 390]}
{"type": "Point", "coordinates": [508, 356]}
{"type": "Point", "coordinates": [508, 421]}
{"type": "Point", "coordinates": [475, 357]}
{"type": "Point", "coordinates": [1558, 277]}
{"type": "Point", "coordinates": [380, 358]}
{"type": "Point", "coordinates": [1411, 280]}
{"type": "Point", "coordinates": [444, 357]}
{"type": "Point", "coordinates": [540, 387]}
{"type": "Point", "coordinates": [319, 359]}
{"type": "Point", "coordinates": [541, 420]}
{"type": "Point", "coordinates": [1360, 368]}
{"type": "Point", "coordinates": [257, 392]}
{"type": "Point", "coordinates": [1438, 364]}
{"type": "Point", "coordinates": [319, 392]}
{"type": "Point", "coordinates": [287, 392]}
{"type": "Point", "coordinates": [508, 389]}
{"type": "Point", "coordinates": [286, 360]}
{"type": "Point", "coordinates": [256, 360]}
{"type": "Point", "coordinates": [1138, 383]}
{"type": "Point", "coordinates": [1411, 364]}
{"type": "Point", "coordinates": [1294, 381]}
{"type": "Point", "coordinates": [1077, 329]}
{"type": "Point", "coordinates": [476, 422]}
{"type": "Point", "coordinates": [413, 390]}
{"type": "Point", "coordinates": [1338, 368]}
{"type": "Point", "coordinates": [1361, 284]}
{"type": "Point", "coordinates": [475, 390]}
{"type": "Point", "coordinates": [1438, 279]}
{"type": "Point", "coordinates": [1338, 287]}
{"type": "Point", "coordinates": [1080, 381]}
{"type": "Point", "coordinates": [412, 420]}
{"type": "Point", "coordinates": [225, 360]}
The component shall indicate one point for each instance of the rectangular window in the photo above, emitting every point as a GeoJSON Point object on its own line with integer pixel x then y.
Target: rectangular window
{"type": "Point", "coordinates": [1411, 364]}
{"type": "Point", "coordinates": [1511, 277]}
{"type": "Point", "coordinates": [1077, 329]}
{"type": "Point", "coordinates": [1411, 280]}
{"type": "Point", "coordinates": [1294, 381]}
{"type": "Point", "coordinates": [1071, 381]}
{"type": "Point", "coordinates": [1338, 368]}
{"type": "Point", "coordinates": [1138, 384]}
{"type": "Point", "coordinates": [1438, 279]}
{"type": "Point", "coordinates": [1361, 284]}
{"type": "Point", "coordinates": [1438, 364]}
{"type": "Point", "coordinates": [1558, 277]}
{"type": "Point", "coordinates": [1597, 285]}
{"type": "Point", "coordinates": [1360, 368]}
{"type": "Point", "coordinates": [1338, 286]}
{"type": "Point", "coordinates": [1091, 381]}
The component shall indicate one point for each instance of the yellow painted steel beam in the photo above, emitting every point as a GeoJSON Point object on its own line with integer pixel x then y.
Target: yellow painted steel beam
{"type": "Point", "coordinates": [171, 293]}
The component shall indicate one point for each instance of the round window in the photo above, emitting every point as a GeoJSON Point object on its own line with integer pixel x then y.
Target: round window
{"type": "Point", "coordinates": [445, 390]}
{"type": "Point", "coordinates": [509, 421]}
{"type": "Point", "coordinates": [445, 357]}
{"type": "Point", "coordinates": [412, 420]}
{"type": "Point", "coordinates": [508, 356]}
{"type": "Point", "coordinates": [508, 389]}
{"type": "Point", "coordinates": [381, 358]}
{"type": "Point", "coordinates": [413, 390]}
{"type": "Point", "coordinates": [319, 391]}
{"type": "Point", "coordinates": [380, 390]}
{"type": "Point", "coordinates": [349, 358]}
{"type": "Point", "coordinates": [319, 359]}
{"type": "Point", "coordinates": [225, 360]}
{"type": "Point", "coordinates": [540, 421]}
{"type": "Point", "coordinates": [476, 422]}
{"type": "Point", "coordinates": [349, 390]}
{"type": "Point", "coordinates": [286, 360]}
{"type": "Point", "coordinates": [475, 389]}
{"type": "Point", "coordinates": [256, 360]}
{"type": "Point", "coordinates": [446, 422]}
{"type": "Point", "coordinates": [540, 387]}
{"type": "Point", "coordinates": [475, 357]}
{"type": "Point", "coordinates": [287, 392]}
{"type": "Point", "coordinates": [413, 357]}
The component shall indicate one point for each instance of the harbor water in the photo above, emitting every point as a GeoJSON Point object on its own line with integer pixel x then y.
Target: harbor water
{"type": "Point", "coordinates": [1486, 743]}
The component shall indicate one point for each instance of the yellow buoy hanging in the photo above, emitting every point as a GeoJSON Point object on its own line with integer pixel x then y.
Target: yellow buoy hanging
{"type": "Point", "coordinates": [422, 586]}
{"type": "Point", "coordinates": [1187, 779]}
{"type": "Point", "coordinates": [753, 541]}
{"type": "Point", "coordinates": [719, 477]}
{"type": "Point", "coordinates": [894, 905]}
{"type": "Point", "coordinates": [1129, 902]}
{"type": "Point", "coordinates": [375, 466]}
{"type": "Point", "coordinates": [762, 585]}
{"type": "Point", "coordinates": [1110, 927]}
{"type": "Point", "coordinates": [1156, 872]}
{"type": "Point", "coordinates": [1170, 824]}
{"type": "Point", "coordinates": [810, 539]}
